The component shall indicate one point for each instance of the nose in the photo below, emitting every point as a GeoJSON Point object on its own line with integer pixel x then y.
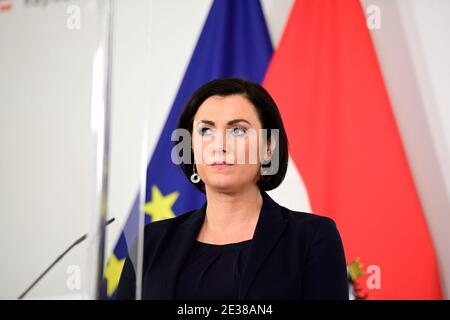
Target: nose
{"type": "Point", "coordinates": [221, 143]}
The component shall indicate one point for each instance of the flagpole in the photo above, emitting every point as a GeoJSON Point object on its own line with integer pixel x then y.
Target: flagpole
{"type": "Point", "coordinates": [101, 126]}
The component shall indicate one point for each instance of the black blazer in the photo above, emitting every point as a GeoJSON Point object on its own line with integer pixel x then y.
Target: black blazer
{"type": "Point", "coordinates": [293, 255]}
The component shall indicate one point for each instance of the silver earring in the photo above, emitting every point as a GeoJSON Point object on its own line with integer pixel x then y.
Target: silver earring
{"type": "Point", "coordinates": [195, 178]}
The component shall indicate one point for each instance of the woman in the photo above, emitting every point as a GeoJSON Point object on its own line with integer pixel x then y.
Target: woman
{"type": "Point", "coordinates": [241, 244]}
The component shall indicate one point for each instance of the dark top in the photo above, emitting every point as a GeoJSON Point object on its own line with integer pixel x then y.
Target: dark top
{"type": "Point", "coordinates": [212, 271]}
{"type": "Point", "coordinates": [293, 255]}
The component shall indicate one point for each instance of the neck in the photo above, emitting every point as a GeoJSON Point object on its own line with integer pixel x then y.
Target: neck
{"type": "Point", "coordinates": [231, 216]}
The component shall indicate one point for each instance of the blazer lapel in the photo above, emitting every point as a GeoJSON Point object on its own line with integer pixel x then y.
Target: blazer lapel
{"type": "Point", "coordinates": [269, 228]}
{"type": "Point", "coordinates": [178, 249]}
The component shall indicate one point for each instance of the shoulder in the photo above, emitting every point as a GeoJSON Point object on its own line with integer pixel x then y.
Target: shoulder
{"type": "Point", "coordinates": [317, 235]}
{"type": "Point", "coordinates": [159, 227]}
{"type": "Point", "coordinates": [308, 219]}
{"type": "Point", "coordinates": [309, 224]}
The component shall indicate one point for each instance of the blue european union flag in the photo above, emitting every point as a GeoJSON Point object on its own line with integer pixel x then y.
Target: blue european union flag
{"type": "Point", "coordinates": [234, 42]}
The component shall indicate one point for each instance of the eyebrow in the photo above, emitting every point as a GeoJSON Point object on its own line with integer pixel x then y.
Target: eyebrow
{"type": "Point", "coordinates": [231, 122]}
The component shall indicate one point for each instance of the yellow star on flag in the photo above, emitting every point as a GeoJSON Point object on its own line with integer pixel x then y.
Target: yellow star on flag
{"type": "Point", "coordinates": [160, 207]}
{"type": "Point", "coordinates": [112, 273]}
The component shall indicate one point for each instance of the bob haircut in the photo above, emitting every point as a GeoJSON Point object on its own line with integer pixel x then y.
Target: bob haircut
{"type": "Point", "coordinates": [268, 114]}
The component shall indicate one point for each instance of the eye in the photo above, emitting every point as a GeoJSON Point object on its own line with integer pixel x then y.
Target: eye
{"type": "Point", "coordinates": [204, 131]}
{"type": "Point", "coordinates": [238, 131]}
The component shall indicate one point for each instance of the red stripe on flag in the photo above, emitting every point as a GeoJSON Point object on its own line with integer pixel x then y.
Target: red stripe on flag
{"type": "Point", "coordinates": [344, 141]}
{"type": "Point", "coordinates": [6, 7]}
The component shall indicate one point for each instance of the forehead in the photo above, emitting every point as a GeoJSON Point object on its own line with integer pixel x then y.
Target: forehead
{"type": "Point", "coordinates": [223, 109]}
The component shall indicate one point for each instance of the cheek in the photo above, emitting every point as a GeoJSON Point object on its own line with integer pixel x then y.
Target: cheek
{"type": "Point", "coordinates": [245, 173]}
{"type": "Point", "coordinates": [203, 151]}
{"type": "Point", "coordinates": [198, 147]}
{"type": "Point", "coordinates": [247, 151]}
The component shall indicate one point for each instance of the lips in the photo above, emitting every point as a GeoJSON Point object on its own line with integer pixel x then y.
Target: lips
{"type": "Point", "coordinates": [221, 163]}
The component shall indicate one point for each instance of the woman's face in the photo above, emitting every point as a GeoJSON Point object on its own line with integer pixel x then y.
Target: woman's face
{"type": "Point", "coordinates": [226, 139]}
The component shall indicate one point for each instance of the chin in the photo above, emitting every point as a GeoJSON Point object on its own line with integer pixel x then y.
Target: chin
{"type": "Point", "coordinates": [222, 184]}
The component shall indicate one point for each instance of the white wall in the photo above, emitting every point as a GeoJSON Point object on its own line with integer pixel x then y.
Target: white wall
{"type": "Point", "coordinates": [413, 46]}
{"type": "Point", "coordinates": [46, 143]}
